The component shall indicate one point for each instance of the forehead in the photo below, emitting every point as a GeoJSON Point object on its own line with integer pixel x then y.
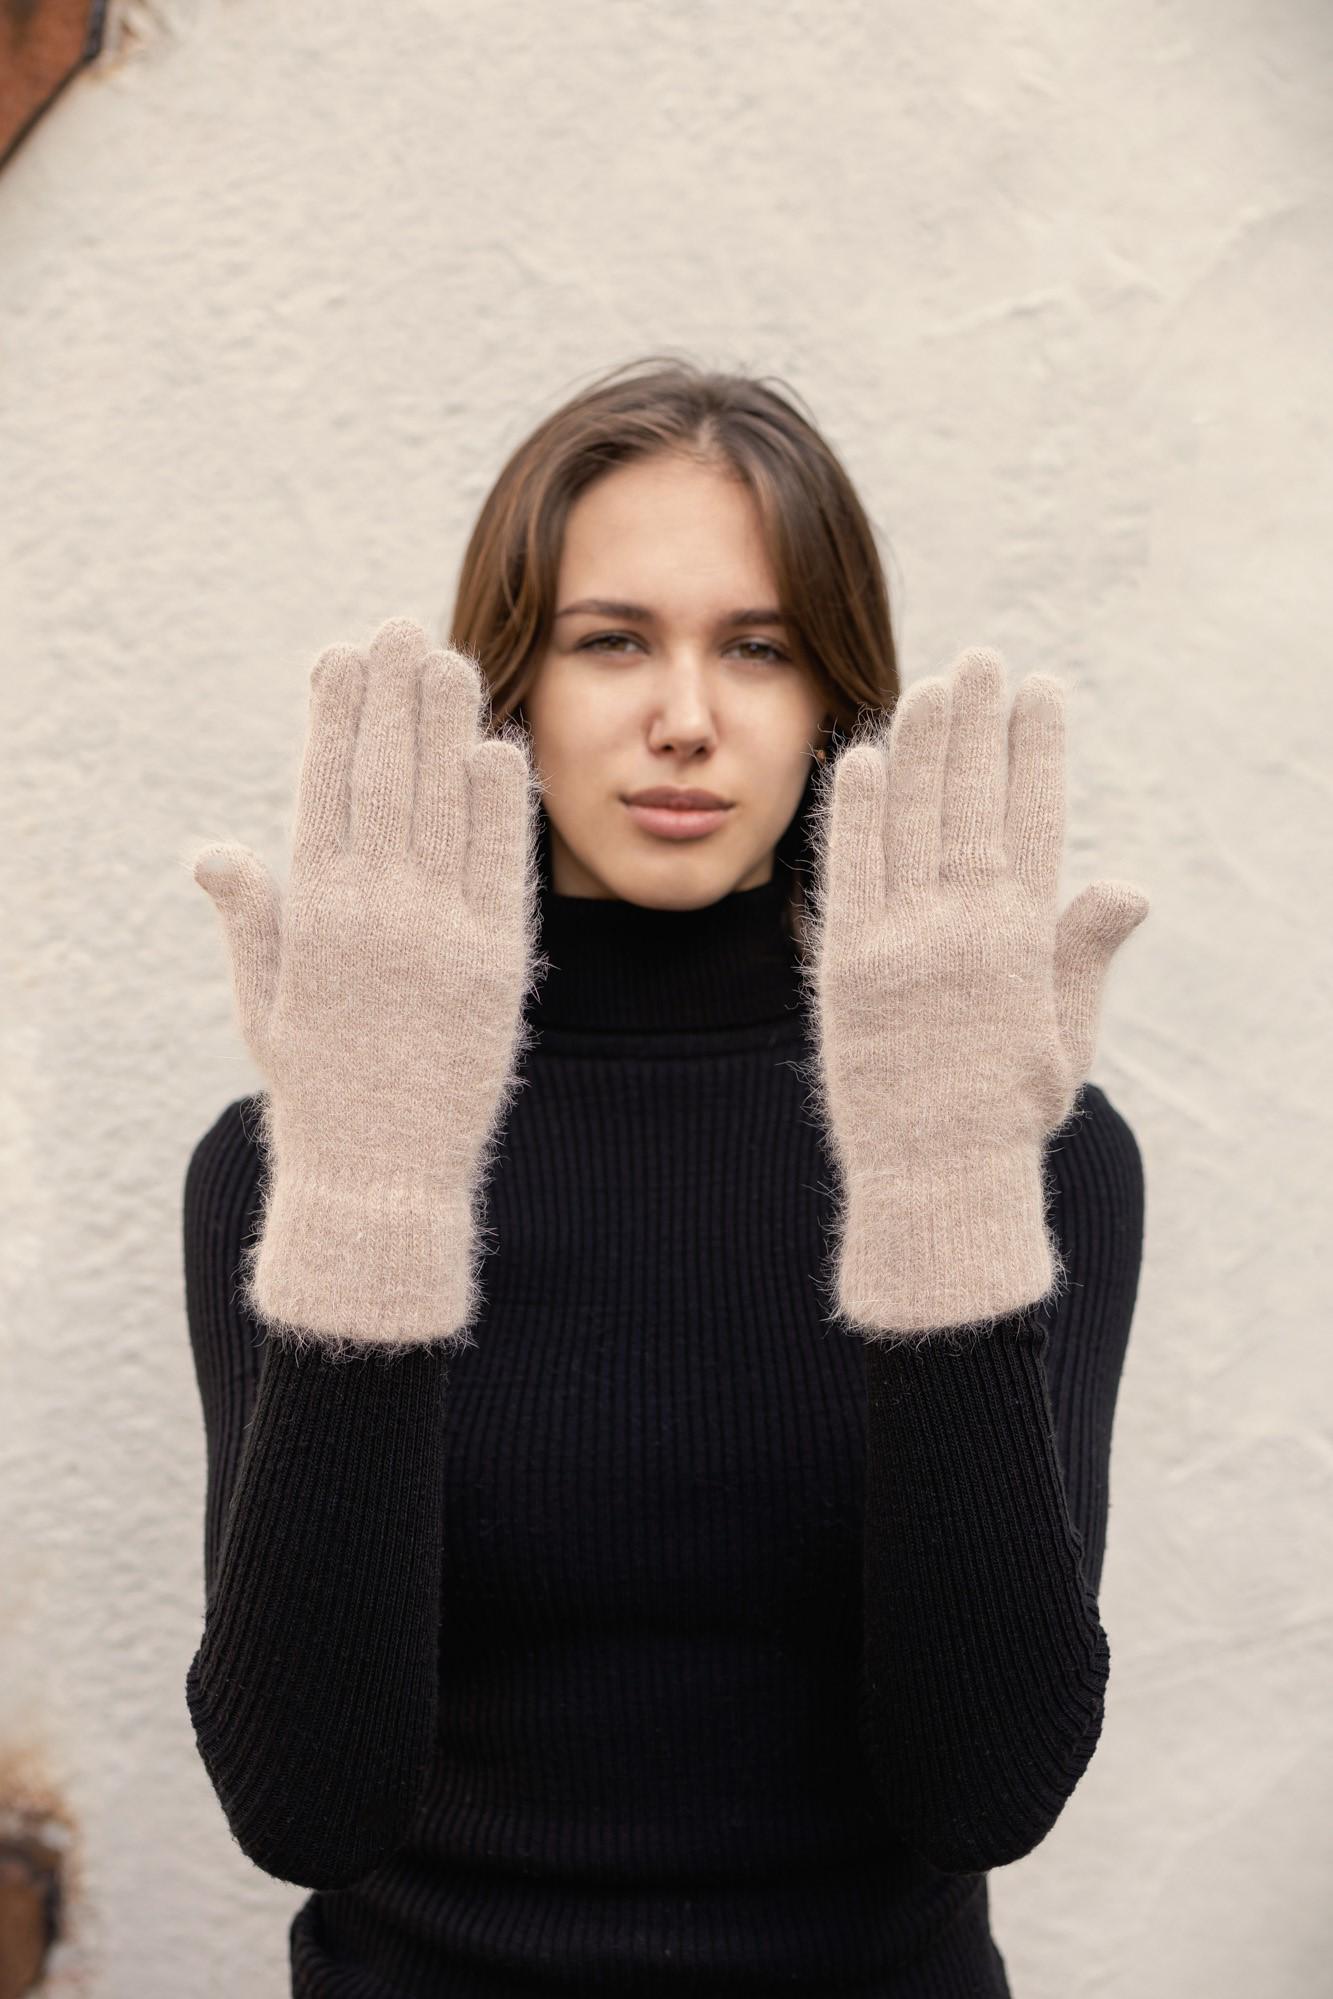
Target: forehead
{"type": "Point", "coordinates": [666, 529]}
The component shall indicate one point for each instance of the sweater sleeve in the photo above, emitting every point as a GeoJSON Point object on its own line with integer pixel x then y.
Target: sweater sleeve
{"type": "Point", "coordinates": [985, 1664]}
{"type": "Point", "coordinates": [314, 1687]}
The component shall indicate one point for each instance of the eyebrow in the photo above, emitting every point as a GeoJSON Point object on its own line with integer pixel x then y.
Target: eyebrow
{"type": "Point", "coordinates": [610, 607]}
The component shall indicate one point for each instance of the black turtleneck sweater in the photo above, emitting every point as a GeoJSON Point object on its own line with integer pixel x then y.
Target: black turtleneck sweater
{"type": "Point", "coordinates": [672, 1639]}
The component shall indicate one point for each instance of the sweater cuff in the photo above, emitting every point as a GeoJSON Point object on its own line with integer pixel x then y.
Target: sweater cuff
{"type": "Point", "coordinates": [934, 1245]}
{"type": "Point", "coordinates": [349, 1262]}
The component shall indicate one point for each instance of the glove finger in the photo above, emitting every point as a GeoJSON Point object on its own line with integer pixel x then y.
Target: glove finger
{"type": "Point", "coordinates": [337, 682]}
{"type": "Point", "coordinates": [384, 763]}
{"type": "Point", "coordinates": [976, 771]}
{"type": "Point", "coordinates": [918, 752]}
{"type": "Point", "coordinates": [852, 837]}
{"type": "Point", "coordinates": [498, 830]}
{"type": "Point", "coordinates": [1087, 937]}
{"type": "Point", "coordinates": [452, 702]}
{"type": "Point", "coordinates": [1034, 826]}
{"type": "Point", "coordinates": [249, 902]}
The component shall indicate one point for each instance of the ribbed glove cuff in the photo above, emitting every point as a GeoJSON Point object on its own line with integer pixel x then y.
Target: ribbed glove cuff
{"type": "Point", "coordinates": [348, 1261]}
{"type": "Point", "coordinates": [926, 1246]}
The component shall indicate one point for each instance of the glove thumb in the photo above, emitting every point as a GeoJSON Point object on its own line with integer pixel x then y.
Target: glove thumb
{"type": "Point", "coordinates": [249, 902]}
{"type": "Point", "coordinates": [1087, 937]}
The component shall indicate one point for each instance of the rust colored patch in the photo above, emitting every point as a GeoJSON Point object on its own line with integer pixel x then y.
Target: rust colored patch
{"type": "Point", "coordinates": [36, 1855]}
{"type": "Point", "coordinates": [43, 44]}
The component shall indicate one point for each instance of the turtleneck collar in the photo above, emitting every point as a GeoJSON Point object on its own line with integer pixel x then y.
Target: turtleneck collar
{"type": "Point", "coordinates": [624, 967]}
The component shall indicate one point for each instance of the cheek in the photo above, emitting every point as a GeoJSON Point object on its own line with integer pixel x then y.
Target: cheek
{"type": "Point", "coordinates": [576, 730]}
{"type": "Point", "coordinates": [785, 733]}
{"type": "Point", "coordinates": [773, 786]}
{"type": "Point", "coordinates": [577, 765]}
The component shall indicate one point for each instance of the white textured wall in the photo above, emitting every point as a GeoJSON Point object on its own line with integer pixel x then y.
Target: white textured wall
{"type": "Point", "coordinates": [278, 295]}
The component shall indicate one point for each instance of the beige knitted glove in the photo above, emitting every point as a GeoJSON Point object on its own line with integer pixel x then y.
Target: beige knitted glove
{"type": "Point", "coordinates": [382, 995]}
{"type": "Point", "coordinates": [956, 1013]}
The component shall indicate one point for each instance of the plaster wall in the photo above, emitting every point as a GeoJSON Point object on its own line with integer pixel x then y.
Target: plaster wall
{"type": "Point", "coordinates": [281, 289]}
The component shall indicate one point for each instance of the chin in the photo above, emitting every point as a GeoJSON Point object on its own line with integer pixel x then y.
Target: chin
{"type": "Point", "coordinates": [676, 882]}
{"type": "Point", "coordinates": [685, 891]}
{"type": "Point", "coordinates": [660, 874]}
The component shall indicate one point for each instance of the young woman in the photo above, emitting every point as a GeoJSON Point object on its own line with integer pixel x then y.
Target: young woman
{"type": "Point", "coordinates": [659, 1326]}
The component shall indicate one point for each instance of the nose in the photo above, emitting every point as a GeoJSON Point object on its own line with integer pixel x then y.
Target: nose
{"type": "Point", "coordinates": [685, 722]}
{"type": "Point", "coordinates": [684, 741]}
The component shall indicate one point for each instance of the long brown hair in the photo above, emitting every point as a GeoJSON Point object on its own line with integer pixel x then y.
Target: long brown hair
{"type": "Point", "coordinates": [826, 563]}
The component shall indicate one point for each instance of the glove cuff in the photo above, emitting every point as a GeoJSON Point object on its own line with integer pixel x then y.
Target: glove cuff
{"type": "Point", "coordinates": [349, 1262]}
{"type": "Point", "coordinates": [946, 1243]}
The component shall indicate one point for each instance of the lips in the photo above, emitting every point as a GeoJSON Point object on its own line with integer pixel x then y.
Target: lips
{"type": "Point", "coordinates": [676, 822]}
{"type": "Point", "coordinates": [679, 799]}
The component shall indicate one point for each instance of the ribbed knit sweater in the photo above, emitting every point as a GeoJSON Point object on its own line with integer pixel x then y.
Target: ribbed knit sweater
{"type": "Point", "coordinates": [672, 1638]}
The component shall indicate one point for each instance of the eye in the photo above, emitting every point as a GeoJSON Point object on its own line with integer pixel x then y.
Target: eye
{"type": "Point", "coordinates": [774, 652]}
{"type": "Point", "coordinates": [600, 638]}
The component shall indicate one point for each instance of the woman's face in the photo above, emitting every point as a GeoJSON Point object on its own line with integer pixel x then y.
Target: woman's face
{"type": "Point", "coordinates": [664, 685]}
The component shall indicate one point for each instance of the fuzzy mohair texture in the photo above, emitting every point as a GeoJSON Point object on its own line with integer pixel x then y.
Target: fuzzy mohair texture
{"type": "Point", "coordinates": [955, 1010]}
{"type": "Point", "coordinates": [382, 997]}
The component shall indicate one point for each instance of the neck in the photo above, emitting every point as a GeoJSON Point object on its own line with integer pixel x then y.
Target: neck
{"type": "Point", "coordinates": [625, 967]}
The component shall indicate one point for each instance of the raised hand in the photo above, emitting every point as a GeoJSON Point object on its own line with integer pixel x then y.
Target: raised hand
{"type": "Point", "coordinates": [956, 1008]}
{"type": "Point", "coordinates": [382, 995]}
